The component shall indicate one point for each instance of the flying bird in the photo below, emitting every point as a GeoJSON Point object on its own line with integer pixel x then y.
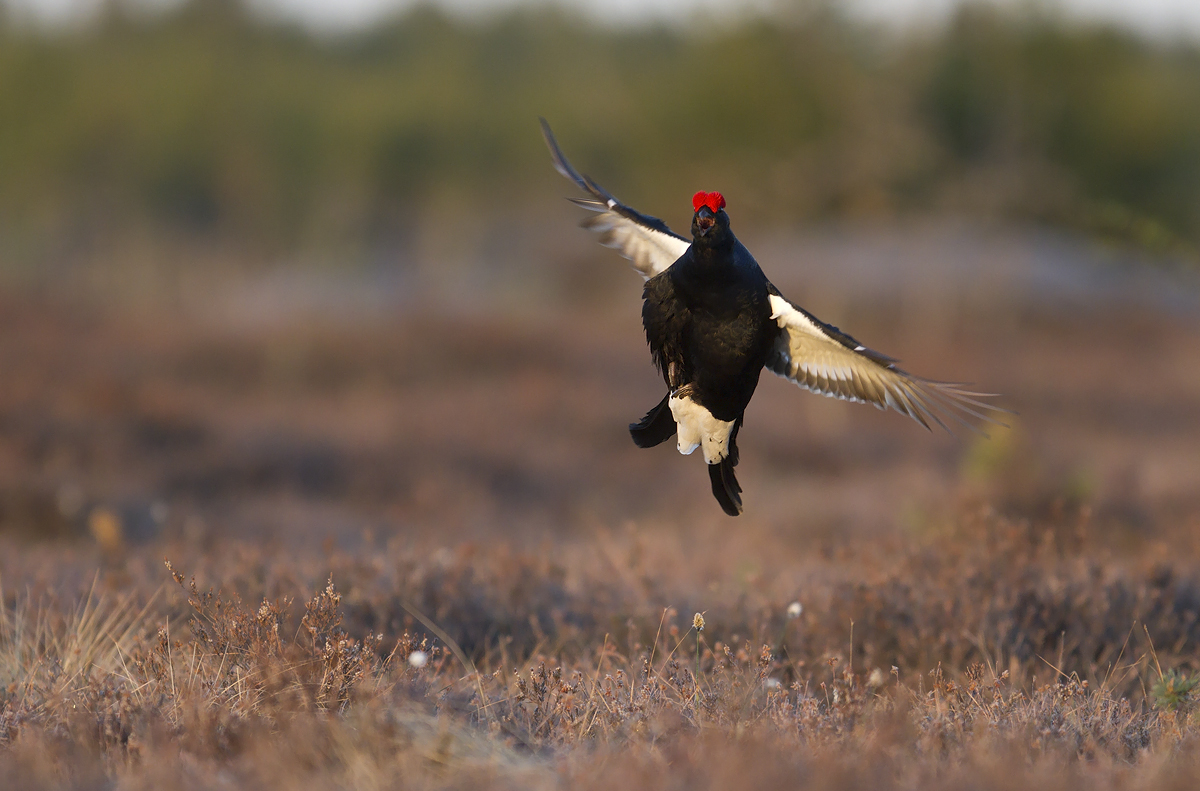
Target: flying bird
{"type": "Point", "coordinates": [713, 322]}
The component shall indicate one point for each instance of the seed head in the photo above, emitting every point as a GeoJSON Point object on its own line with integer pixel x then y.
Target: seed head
{"type": "Point", "coordinates": [698, 622]}
{"type": "Point", "coordinates": [418, 659]}
{"type": "Point", "coordinates": [793, 611]}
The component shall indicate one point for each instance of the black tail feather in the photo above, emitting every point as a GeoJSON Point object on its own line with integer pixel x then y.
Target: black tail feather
{"type": "Point", "coordinates": [656, 427]}
{"type": "Point", "coordinates": [725, 487]}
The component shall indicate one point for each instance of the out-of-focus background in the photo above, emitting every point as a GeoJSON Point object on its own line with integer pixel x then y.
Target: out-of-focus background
{"type": "Point", "coordinates": [289, 289]}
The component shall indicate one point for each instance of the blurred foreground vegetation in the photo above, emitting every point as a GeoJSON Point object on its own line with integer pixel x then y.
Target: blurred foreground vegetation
{"type": "Point", "coordinates": [207, 124]}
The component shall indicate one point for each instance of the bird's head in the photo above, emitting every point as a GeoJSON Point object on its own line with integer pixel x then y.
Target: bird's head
{"type": "Point", "coordinates": [710, 224]}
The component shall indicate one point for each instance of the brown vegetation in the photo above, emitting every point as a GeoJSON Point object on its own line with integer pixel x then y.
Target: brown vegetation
{"type": "Point", "coordinates": [931, 665]}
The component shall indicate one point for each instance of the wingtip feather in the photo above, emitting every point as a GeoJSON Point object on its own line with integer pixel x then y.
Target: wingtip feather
{"type": "Point", "coordinates": [557, 157]}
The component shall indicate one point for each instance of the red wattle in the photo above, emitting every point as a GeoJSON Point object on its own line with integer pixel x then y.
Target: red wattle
{"type": "Point", "coordinates": [713, 200]}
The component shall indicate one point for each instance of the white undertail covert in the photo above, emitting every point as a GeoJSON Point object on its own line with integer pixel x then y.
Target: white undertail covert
{"type": "Point", "coordinates": [697, 428]}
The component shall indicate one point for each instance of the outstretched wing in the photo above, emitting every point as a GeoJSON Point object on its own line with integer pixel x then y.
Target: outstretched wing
{"type": "Point", "coordinates": [644, 240]}
{"type": "Point", "coordinates": [821, 358]}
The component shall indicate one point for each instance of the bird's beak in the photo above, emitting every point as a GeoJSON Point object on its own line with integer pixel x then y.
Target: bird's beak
{"type": "Point", "coordinates": [705, 220]}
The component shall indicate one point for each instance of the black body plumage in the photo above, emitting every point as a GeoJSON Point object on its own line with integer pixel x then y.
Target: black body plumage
{"type": "Point", "coordinates": [708, 323]}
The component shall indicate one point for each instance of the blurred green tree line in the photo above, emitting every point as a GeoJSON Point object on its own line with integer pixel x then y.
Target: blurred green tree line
{"type": "Point", "coordinates": [209, 123]}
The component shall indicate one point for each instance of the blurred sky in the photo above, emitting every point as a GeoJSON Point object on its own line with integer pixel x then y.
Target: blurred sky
{"type": "Point", "coordinates": [1168, 18]}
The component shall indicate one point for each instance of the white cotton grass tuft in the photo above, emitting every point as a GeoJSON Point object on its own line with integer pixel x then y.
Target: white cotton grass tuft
{"type": "Point", "coordinates": [698, 622]}
{"type": "Point", "coordinates": [418, 659]}
{"type": "Point", "coordinates": [794, 610]}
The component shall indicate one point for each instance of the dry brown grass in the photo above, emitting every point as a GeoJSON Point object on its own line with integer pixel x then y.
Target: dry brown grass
{"type": "Point", "coordinates": [985, 659]}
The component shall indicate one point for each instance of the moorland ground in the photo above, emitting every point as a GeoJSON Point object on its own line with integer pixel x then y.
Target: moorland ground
{"type": "Point", "coordinates": [415, 548]}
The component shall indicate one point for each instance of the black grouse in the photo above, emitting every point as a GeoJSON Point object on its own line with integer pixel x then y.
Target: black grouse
{"type": "Point", "coordinates": [714, 321]}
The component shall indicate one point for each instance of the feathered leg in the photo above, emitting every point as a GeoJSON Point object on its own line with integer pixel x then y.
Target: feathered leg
{"type": "Point", "coordinates": [655, 428]}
